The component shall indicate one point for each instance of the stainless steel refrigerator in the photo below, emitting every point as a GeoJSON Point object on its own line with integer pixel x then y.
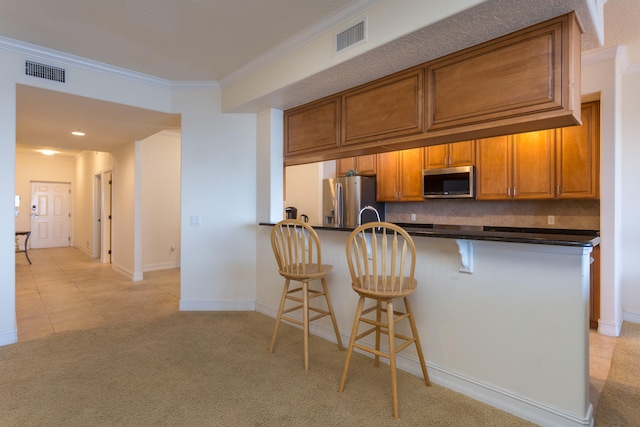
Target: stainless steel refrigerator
{"type": "Point", "coordinates": [343, 198]}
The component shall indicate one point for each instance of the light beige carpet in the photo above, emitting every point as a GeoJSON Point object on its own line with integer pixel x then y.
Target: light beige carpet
{"type": "Point", "coordinates": [619, 403]}
{"type": "Point", "coordinates": [212, 369]}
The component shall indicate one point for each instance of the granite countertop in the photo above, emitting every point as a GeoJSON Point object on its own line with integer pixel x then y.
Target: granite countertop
{"type": "Point", "coordinates": [540, 236]}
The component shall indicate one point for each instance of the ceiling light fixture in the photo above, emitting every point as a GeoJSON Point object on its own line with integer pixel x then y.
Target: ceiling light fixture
{"type": "Point", "coordinates": [77, 133]}
{"type": "Point", "coordinates": [48, 152]}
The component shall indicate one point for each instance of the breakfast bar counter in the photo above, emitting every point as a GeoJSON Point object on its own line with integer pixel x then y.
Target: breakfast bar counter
{"type": "Point", "coordinates": [539, 236]}
{"type": "Point", "coordinates": [503, 313]}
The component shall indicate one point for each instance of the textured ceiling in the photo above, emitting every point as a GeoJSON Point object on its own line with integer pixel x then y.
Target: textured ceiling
{"type": "Point", "coordinates": [211, 39]}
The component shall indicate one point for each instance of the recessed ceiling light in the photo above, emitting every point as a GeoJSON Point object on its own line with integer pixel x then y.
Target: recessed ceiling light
{"type": "Point", "coordinates": [48, 152]}
{"type": "Point", "coordinates": [77, 133]}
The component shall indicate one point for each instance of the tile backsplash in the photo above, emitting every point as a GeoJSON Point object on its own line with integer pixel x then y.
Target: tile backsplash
{"type": "Point", "coordinates": [566, 214]}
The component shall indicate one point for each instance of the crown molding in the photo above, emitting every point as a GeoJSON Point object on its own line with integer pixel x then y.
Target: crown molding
{"type": "Point", "coordinates": [45, 54]}
{"type": "Point", "coordinates": [319, 28]}
{"type": "Point", "coordinates": [599, 55]}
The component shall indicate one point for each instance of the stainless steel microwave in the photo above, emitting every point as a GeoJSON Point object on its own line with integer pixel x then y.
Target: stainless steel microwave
{"type": "Point", "coordinates": [448, 183]}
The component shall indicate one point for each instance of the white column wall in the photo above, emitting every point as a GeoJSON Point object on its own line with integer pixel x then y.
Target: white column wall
{"type": "Point", "coordinates": [601, 75]}
{"type": "Point", "coordinates": [8, 328]}
{"type": "Point", "coordinates": [630, 210]}
{"type": "Point", "coordinates": [219, 191]}
{"type": "Point", "coordinates": [269, 161]}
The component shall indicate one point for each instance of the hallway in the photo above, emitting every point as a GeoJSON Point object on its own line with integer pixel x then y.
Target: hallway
{"type": "Point", "coordinates": [65, 289]}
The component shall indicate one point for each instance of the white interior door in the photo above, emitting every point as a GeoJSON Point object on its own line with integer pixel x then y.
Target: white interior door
{"type": "Point", "coordinates": [50, 214]}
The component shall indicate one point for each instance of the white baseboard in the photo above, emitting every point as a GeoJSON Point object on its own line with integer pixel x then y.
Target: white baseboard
{"type": "Point", "coordinates": [163, 266]}
{"type": "Point", "coordinates": [217, 305]}
{"type": "Point", "coordinates": [136, 277]}
{"type": "Point", "coordinates": [519, 406]}
{"type": "Point", "coordinates": [611, 329]}
{"type": "Point", "coordinates": [632, 317]}
{"type": "Point", "coordinates": [86, 251]}
{"type": "Point", "coordinates": [8, 337]}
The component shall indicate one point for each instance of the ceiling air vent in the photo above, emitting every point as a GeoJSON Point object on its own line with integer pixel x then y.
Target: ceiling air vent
{"type": "Point", "coordinates": [350, 36]}
{"type": "Point", "coordinates": [44, 71]}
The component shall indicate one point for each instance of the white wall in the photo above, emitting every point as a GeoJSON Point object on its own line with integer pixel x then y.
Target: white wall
{"type": "Point", "coordinates": [125, 203]}
{"type": "Point", "coordinates": [218, 203]}
{"type": "Point", "coordinates": [630, 250]}
{"type": "Point", "coordinates": [87, 165]}
{"type": "Point", "coordinates": [8, 331]}
{"type": "Point", "coordinates": [601, 77]}
{"type": "Point", "coordinates": [161, 201]}
{"type": "Point", "coordinates": [303, 190]}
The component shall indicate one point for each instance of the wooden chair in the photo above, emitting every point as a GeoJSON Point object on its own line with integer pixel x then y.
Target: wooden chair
{"type": "Point", "coordinates": [382, 258]}
{"type": "Point", "coordinates": [296, 247]}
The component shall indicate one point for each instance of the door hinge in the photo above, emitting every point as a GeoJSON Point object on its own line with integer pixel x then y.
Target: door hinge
{"type": "Point", "coordinates": [109, 251]}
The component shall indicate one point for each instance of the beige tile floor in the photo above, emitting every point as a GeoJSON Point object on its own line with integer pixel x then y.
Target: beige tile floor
{"type": "Point", "coordinates": [65, 289]}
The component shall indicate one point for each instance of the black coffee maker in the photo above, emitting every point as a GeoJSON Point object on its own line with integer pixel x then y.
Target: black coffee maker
{"type": "Point", "coordinates": [291, 213]}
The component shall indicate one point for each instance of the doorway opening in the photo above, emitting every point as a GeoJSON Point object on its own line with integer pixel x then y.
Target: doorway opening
{"type": "Point", "coordinates": [102, 216]}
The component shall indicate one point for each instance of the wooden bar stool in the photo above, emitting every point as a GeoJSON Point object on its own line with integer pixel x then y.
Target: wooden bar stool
{"type": "Point", "coordinates": [382, 258]}
{"type": "Point", "coordinates": [296, 247]}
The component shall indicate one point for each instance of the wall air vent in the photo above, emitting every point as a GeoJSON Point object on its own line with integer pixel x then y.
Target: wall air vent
{"type": "Point", "coordinates": [44, 71]}
{"type": "Point", "coordinates": [351, 36]}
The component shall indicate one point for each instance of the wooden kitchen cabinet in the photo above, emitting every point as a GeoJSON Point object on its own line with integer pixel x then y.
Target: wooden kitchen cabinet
{"type": "Point", "coordinates": [399, 176]}
{"type": "Point", "coordinates": [449, 155]}
{"type": "Point", "coordinates": [533, 165]}
{"type": "Point", "coordinates": [493, 168]}
{"type": "Point", "coordinates": [312, 127]}
{"type": "Point", "coordinates": [503, 83]}
{"type": "Point", "coordinates": [363, 165]}
{"type": "Point", "coordinates": [523, 81]}
{"type": "Point", "coordinates": [387, 108]}
{"type": "Point", "coordinates": [516, 167]}
{"type": "Point", "coordinates": [577, 156]}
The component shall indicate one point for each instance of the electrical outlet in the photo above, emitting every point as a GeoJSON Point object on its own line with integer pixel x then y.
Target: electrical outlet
{"type": "Point", "coordinates": [551, 219]}
{"type": "Point", "coordinates": [413, 217]}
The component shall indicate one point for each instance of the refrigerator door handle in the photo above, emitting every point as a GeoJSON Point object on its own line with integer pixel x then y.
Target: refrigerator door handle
{"type": "Point", "coordinates": [338, 205]}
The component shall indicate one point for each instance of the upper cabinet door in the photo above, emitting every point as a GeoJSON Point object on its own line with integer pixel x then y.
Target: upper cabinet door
{"type": "Point", "coordinates": [577, 156]}
{"type": "Point", "coordinates": [436, 156]}
{"type": "Point", "coordinates": [493, 168]}
{"type": "Point", "coordinates": [312, 127]}
{"type": "Point", "coordinates": [462, 153]}
{"type": "Point", "coordinates": [450, 155]}
{"type": "Point", "coordinates": [503, 84]}
{"type": "Point", "coordinates": [387, 179]}
{"type": "Point", "coordinates": [399, 177]}
{"type": "Point", "coordinates": [388, 108]}
{"type": "Point", "coordinates": [345, 165]}
{"type": "Point", "coordinates": [533, 167]}
{"type": "Point", "coordinates": [411, 164]}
